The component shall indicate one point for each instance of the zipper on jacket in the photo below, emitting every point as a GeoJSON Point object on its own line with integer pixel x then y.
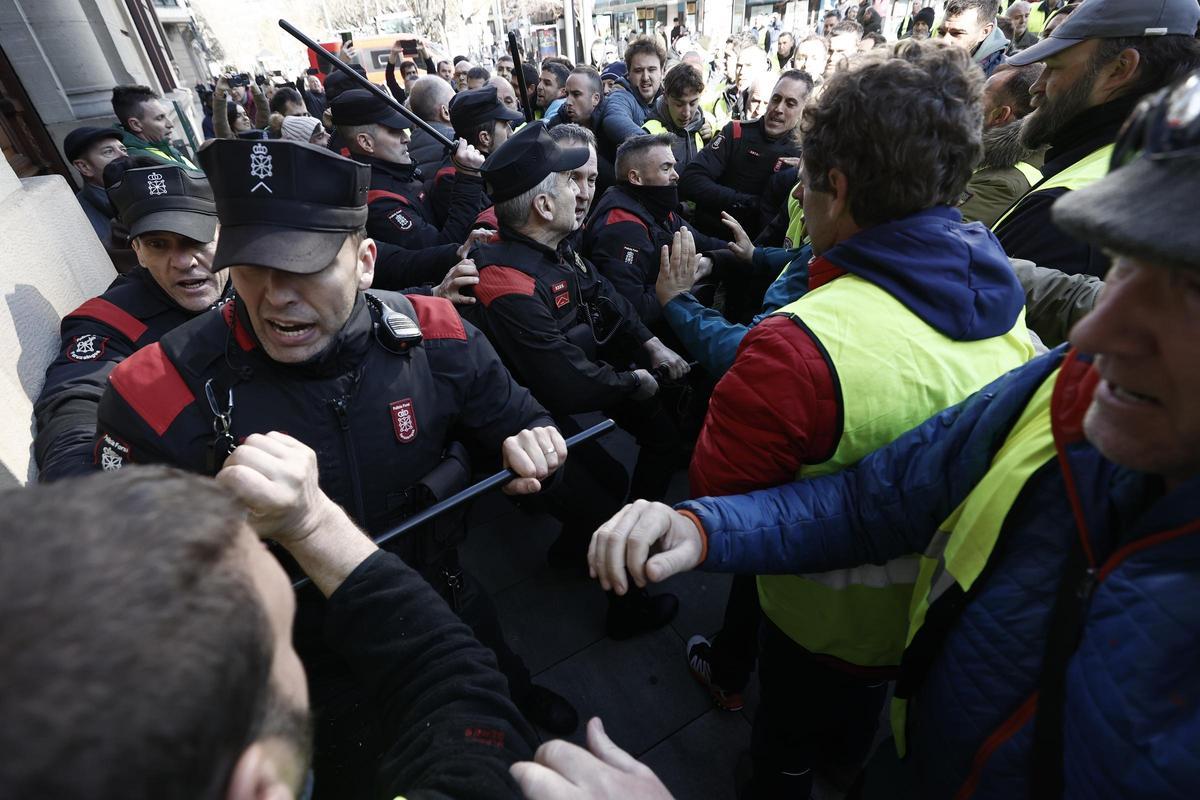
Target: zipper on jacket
{"type": "Point", "coordinates": [340, 409]}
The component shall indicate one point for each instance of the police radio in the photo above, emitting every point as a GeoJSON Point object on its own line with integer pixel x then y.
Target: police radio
{"type": "Point", "coordinates": [395, 331]}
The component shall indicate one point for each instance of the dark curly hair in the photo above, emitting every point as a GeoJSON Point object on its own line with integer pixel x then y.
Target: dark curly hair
{"type": "Point", "coordinates": [904, 126]}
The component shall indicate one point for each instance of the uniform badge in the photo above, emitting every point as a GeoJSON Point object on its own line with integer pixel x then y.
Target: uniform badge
{"type": "Point", "coordinates": [717, 141]}
{"type": "Point", "coordinates": [87, 347]}
{"type": "Point", "coordinates": [579, 262]}
{"type": "Point", "coordinates": [778, 164]}
{"type": "Point", "coordinates": [111, 453]}
{"type": "Point", "coordinates": [261, 167]}
{"type": "Point", "coordinates": [563, 299]}
{"type": "Point", "coordinates": [630, 254]}
{"type": "Point", "coordinates": [155, 184]}
{"type": "Point", "coordinates": [404, 420]}
{"type": "Point", "coordinates": [401, 220]}
{"type": "Point", "coordinates": [561, 286]}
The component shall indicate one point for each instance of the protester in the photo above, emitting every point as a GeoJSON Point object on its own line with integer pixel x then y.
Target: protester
{"type": "Point", "coordinates": [551, 88]}
{"type": "Point", "coordinates": [971, 25]}
{"type": "Point", "coordinates": [1058, 511]}
{"type": "Point", "coordinates": [145, 125]}
{"type": "Point", "coordinates": [1018, 14]}
{"type": "Point", "coordinates": [1007, 169]}
{"type": "Point", "coordinates": [1098, 64]}
{"type": "Point", "coordinates": [624, 112]}
{"type": "Point", "coordinates": [677, 112]}
{"type": "Point", "coordinates": [429, 99]}
{"type": "Point", "coordinates": [171, 221]}
{"type": "Point", "coordinates": [582, 95]}
{"type": "Point", "coordinates": [196, 588]}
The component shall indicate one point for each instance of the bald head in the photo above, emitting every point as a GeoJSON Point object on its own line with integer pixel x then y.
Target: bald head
{"type": "Point", "coordinates": [429, 99]}
{"type": "Point", "coordinates": [504, 92]}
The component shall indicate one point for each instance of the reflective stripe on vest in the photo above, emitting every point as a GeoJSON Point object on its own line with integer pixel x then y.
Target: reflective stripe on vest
{"type": "Point", "coordinates": [893, 372]}
{"type": "Point", "coordinates": [960, 552]}
{"type": "Point", "coordinates": [654, 126]}
{"type": "Point", "coordinates": [1083, 172]}
{"type": "Point", "coordinates": [1031, 173]}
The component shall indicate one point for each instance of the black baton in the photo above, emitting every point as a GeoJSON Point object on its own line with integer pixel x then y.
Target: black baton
{"type": "Point", "coordinates": [345, 68]}
{"type": "Point", "coordinates": [499, 479]}
{"type": "Point", "coordinates": [515, 52]}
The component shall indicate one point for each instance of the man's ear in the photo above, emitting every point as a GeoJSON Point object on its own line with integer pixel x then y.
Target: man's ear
{"type": "Point", "coordinates": [255, 777]}
{"type": "Point", "coordinates": [634, 177]}
{"type": "Point", "coordinates": [444, 113]}
{"type": "Point", "coordinates": [839, 191]}
{"type": "Point", "coordinates": [367, 254]}
{"type": "Point", "coordinates": [85, 168]}
{"type": "Point", "coordinates": [485, 141]}
{"type": "Point", "coordinates": [365, 142]}
{"type": "Point", "coordinates": [542, 207]}
{"type": "Point", "coordinates": [1116, 75]}
{"type": "Point", "coordinates": [1001, 115]}
{"type": "Point", "coordinates": [134, 125]}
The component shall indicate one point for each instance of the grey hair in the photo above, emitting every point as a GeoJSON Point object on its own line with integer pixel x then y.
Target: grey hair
{"type": "Point", "coordinates": [514, 212]}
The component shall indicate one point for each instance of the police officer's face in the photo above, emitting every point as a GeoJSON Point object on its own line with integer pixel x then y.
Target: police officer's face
{"type": "Point", "coordinates": [182, 268]}
{"type": "Point", "coordinates": [501, 130]}
{"type": "Point", "coordinates": [683, 108]}
{"type": "Point", "coordinates": [296, 316]}
{"type": "Point", "coordinates": [787, 103]}
{"type": "Point", "coordinates": [1145, 335]}
{"type": "Point", "coordinates": [557, 207]}
{"type": "Point", "coordinates": [585, 186]}
{"type": "Point", "coordinates": [391, 144]}
{"type": "Point", "coordinates": [645, 75]}
{"type": "Point", "coordinates": [657, 168]}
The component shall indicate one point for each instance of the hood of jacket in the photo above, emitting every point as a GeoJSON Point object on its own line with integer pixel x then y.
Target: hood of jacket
{"type": "Point", "coordinates": [953, 275]}
{"type": "Point", "coordinates": [995, 42]}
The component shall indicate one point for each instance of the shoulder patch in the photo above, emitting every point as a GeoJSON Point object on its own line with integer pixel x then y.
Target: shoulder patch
{"type": "Point", "coordinates": [444, 172]}
{"type": "Point", "coordinates": [115, 317]}
{"type": "Point", "coordinates": [86, 347]}
{"type": "Point", "coordinates": [497, 281]}
{"type": "Point", "coordinates": [380, 194]}
{"type": "Point", "coordinates": [111, 453]}
{"type": "Point", "coordinates": [717, 141]}
{"type": "Point", "coordinates": [437, 317]}
{"type": "Point", "coordinates": [621, 215]}
{"type": "Point", "coordinates": [152, 387]}
{"type": "Point", "coordinates": [401, 219]}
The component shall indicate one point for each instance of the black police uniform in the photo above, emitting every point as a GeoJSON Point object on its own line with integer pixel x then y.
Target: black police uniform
{"type": "Point", "coordinates": [401, 213]}
{"type": "Point", "coordinates": [623, 238]}
{"type": "Point", "coordinates": [133, 313]}
{"type": "Point", "coordinates": [732, 174]}
{"type": "Point", "coordinates": [468, 110]}
{"type": "Point", "coordinates": [381, 410]}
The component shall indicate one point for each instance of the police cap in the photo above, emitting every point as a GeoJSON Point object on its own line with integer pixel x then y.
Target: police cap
{"type": "Point", "coordinates": [526, 159]}
{"type": "Point", "coordinates": [360, 107]}
{"type": "Point", "coordinates": [469, 109]}
{"type": "Point", "coordinates": [284, 205]}
{"type": "Point", "coordinates": [165, 197]}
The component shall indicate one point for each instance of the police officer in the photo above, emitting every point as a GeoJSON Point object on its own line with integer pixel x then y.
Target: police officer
{"type": "Point", "coordinates": [172, 223]}
{"type": "Point", "coordinates": [733, 172]}
{"type": "Point", "coordinates": [378, 384]}
{"type": "Point", "coordinates": [566, 333]}
{"type": "Point", "coordinates": [483, 122]}
{"type": "Point", "coordinates": [636, 218]}
{"type": "Point", "coordinates": [376, 134]}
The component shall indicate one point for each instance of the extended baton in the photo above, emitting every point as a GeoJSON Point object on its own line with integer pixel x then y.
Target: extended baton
{"type": "Point", "coordinates": [346, 70]}
{"type": "Point", "coordinates": [471, 492]}
{"type": "Point", "coordinates": [515, 52]}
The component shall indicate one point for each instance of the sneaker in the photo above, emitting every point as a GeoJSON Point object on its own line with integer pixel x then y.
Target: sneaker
{"type": "Point", "coordinates": [699, 656]}
{"type": "Point", "coordinates": [638, 611]}
{"type": "Point", "coordinates": [549, 710]}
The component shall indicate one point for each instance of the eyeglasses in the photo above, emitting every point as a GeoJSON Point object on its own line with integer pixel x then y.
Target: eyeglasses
{"type": "Point", "coordinates": [1164, 126]}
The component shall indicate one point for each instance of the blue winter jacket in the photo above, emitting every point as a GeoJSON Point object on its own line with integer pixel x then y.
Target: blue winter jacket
{"type": "Point", "coordinates": [622, 115]}
{"type": "Point", "coordinates": [713, 340]}
{"type": "Point", "coordinates": [1132, 704]}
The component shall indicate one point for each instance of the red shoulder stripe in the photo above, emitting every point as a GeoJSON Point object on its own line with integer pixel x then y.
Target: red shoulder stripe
{"type": "Point", "coordinates": [152, 387]}
{"type": "Point", "coordinates": [496, 282]}
{"type": "Point", "coordinates": [240, 334]}
{"type": "Point", "coordinates": [380, 194]}
{"type": "Point", "coordinates": [487, 219]}
{"type": "Point", "coordinates": [101, 310]}
{"type": "Point", "coordinates": [437, 317]}
{"type": "Point", "coordinates": [621, 215]}
{"type": "Point", "coordinates": [444, 172]}
{"type": "Point", "coordinates": [737, 129]}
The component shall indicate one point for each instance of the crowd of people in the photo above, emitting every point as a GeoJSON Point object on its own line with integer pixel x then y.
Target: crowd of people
{"type": "Point", "coordinates": [919, 315]}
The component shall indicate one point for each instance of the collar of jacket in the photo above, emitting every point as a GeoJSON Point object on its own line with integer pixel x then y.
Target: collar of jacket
{"type": "Point", "coordinates": [1090, 130]}
{"type": "Point", "coordinates": [406, 173]}
{"type": "Point", "coordinates": [345, 352]}
{"type": "Point", "coordinates": [663, 115]}
{"type": "Point", "coordinates": [98, 198]}
{"type": "Point", "coordinates": [510, 236]}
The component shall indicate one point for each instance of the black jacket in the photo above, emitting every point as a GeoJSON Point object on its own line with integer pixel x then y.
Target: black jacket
{"type": "Point", "coordinates": [425, 151]}
{"type": "Point", "coordinates": [134, 312]}
{"type": "Point", "coordinates": [732, 174]}
{"type": "Point", "coordinates": [433, 687]}
{"type": "Point", "coordinates": [440, 191]}
{"type": "Point", "coordinates": [399, 212]}
{"type": "Point", "coordinates": [1029, 232]}
{"type": "Point", "coordinates": [533, 303]}
{"type": "Point", "coordinates": [623, 240]}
